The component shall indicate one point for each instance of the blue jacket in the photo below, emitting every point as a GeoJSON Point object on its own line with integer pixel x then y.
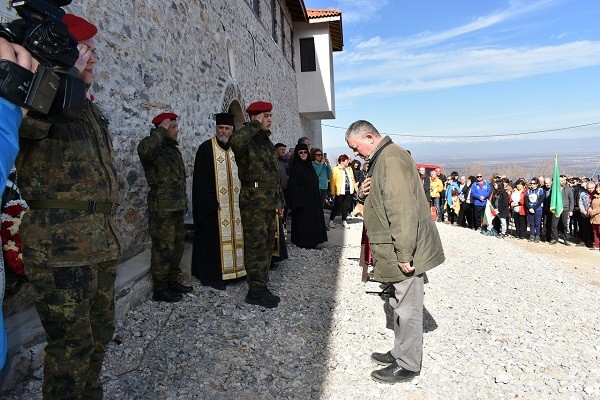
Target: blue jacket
{"type": "Point", "coordinates": [449, 190]}
{"type": "Point", "coordinates": [535, 199]}
{"type": "Point", "coordinates": [323, 173]}
{"type": "Point", "coordinates": [477, 191]}
{"type": "Point", "coordinates": [10, 119]}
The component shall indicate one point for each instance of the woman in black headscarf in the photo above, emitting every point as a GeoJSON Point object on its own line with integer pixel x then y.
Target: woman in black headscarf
{"type": "Point", "coordinates": [304, 199]}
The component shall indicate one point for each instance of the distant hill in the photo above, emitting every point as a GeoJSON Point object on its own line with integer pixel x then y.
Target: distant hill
{"type": "Point", "coordinates": [524, 157]}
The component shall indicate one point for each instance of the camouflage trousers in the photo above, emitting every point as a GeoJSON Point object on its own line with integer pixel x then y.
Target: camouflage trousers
{"type": "Point", "coordinates": [259, 239]}
{"type": "Point", "coordinates": [168, 240]}
{"type": "Point", "coordinates": [77, 310]}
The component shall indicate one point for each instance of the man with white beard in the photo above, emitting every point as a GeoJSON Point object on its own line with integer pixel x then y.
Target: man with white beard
{"type": "Point", "coordinates": [218, 252]}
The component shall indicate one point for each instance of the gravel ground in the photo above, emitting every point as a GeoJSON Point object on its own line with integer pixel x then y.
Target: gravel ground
{"type": "Point", "coordinates": [502, 321]}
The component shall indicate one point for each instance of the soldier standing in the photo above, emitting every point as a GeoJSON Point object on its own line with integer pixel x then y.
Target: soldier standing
{"type": "Point", "coordinates": [71, 244]}
{"type": "Point", "coordinates": [165, 173]}
{"type": "Point", "coordinates": [261, 199]}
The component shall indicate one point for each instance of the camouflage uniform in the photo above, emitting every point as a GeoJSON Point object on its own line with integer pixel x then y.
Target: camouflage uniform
{"type": "Point", "coordinates": [71, 245]}
{"type": "Point", "coordinates": [165, 173]}
{"type": "Point", "coordinates": [260, 196]}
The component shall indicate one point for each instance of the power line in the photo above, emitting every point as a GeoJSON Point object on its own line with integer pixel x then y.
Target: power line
{"type": "Point", "coordinates": [479, 136]}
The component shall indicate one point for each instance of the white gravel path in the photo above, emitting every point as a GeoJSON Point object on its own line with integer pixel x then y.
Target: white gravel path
{"type": "Point", "coordinates": [501, 322]}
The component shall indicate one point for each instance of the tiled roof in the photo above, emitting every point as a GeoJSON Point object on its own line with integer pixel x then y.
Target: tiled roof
{"type": "Point", "coordinates": [314, 13]}
{"type": "Point", "coordinates": [335, 25]}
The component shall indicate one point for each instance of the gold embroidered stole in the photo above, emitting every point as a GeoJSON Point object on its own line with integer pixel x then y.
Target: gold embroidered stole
{"type": "Point", "coordinates": [230, 221]}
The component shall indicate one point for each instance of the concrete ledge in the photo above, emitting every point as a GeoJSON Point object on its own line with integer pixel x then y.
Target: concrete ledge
{"type": "Point", "coordinates": [26, 339]}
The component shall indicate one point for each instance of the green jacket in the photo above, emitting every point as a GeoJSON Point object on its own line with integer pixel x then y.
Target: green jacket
{"type": "Point", "coordinates": [62, 165]}
{"type": "Point", "coordinates": [258, 168]}
{"type": "Point", "coordinates": [165, 171]}
{"type": "Point", "coordinates": [397, 217]}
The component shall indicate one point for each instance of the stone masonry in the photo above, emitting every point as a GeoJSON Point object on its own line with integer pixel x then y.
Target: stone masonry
{"type": "Point", "coordinates": [195, 58]}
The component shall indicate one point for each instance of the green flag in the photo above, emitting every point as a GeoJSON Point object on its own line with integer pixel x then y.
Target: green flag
{"type": "Point", "coordinates": [556, 203]}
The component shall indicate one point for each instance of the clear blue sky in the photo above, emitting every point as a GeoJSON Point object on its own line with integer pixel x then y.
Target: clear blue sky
{"type": "Point", "coordinates": [467, 67]}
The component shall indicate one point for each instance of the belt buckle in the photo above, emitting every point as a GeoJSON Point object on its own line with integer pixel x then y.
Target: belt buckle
{"type": "Point", "coordinates": [255, 184]}
{"type": "Point", "coordinates": [92, 206]}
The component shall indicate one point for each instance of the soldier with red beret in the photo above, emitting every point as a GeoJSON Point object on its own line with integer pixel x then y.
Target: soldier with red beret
{"type": "Point", "coordinates": [261, 199]}
{"type": "Point", "coordinates": [167, 205]}
{"type": "Point", "coordinates": [71, 242]}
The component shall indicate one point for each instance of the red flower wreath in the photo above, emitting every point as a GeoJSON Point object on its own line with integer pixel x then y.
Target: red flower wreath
{"type": "Point", "coordinates": [11, 239]}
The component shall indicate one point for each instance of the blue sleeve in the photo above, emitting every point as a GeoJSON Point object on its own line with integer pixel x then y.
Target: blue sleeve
{"type": "Point", "coordinates": [10, 119]}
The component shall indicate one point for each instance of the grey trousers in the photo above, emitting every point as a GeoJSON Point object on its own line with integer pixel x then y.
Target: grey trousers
{"type": "Point", "coordinates": [407, 303]}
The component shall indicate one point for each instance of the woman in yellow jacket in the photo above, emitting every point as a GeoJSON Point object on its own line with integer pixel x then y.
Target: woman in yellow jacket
{"type": "Point", "coordinates": [342, 187]}
{"type": "Point", "coordinates": [436, 186]}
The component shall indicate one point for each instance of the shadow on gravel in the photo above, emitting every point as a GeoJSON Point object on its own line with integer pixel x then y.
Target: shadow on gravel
{"type": "Point", "coordinates": [213, 345]}
{"type": "Point", "coordinates": [429, 323]}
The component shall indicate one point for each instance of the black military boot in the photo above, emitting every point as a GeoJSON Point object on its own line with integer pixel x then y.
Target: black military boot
{"type": "Point", "coordinates": [277, 298]}
{"type": "Point", "coordinates": [179, 287]}
{"type": "Point", "coordinates": [167, 296]}
{"type": "Point", "coordinates": [265, 299]}
{"type": "Point", "coordinates": [383, 358]}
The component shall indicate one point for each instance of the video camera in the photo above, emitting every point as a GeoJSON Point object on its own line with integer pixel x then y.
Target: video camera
{"type": "Point", "coordinates": [51, 93]}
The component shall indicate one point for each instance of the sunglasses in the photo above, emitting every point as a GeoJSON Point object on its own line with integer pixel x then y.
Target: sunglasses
{"type": "Point", "coordinates": [480, 176]}
{"type": "Point", "coordinates": [303, 152]}
{"type": "Point", "coordinates": [318, 155]}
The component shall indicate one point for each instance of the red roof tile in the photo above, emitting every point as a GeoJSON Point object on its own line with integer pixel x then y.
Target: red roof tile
{"type": "Point", "coordinates": [315, 13]}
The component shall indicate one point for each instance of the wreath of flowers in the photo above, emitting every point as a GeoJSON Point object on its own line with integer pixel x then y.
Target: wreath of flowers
{"type": "Point", "coordinates": [11, 238]}
{"type": "Point", "coordinates": [12, 246]}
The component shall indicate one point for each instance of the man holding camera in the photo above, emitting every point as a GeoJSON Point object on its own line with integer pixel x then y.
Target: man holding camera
{"type": "Point", "coordinates": [10, 119]}
{"type": "Point", "coordinates": [71, 243]}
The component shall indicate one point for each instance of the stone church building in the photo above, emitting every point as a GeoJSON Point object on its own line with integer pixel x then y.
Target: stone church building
{"type": "Point", "coordinates": [201, 57]}
{"type": "Point", "coordinates": [195, 58]}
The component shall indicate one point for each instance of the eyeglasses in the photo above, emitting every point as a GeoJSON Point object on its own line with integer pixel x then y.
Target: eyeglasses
{"type": "Point", "coordinates": [480, 176]}
{"type": "Point", "coordinates": [533, 183]}
{"type": "Point", "coordinates": [303, 152]}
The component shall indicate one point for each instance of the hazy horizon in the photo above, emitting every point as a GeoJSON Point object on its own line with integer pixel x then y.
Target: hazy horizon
{"type": "Point", "coordinates": [580, 156]}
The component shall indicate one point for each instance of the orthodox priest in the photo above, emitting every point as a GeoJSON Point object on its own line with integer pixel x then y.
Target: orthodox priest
{"type": "Point", "coordinates": [218, 252]}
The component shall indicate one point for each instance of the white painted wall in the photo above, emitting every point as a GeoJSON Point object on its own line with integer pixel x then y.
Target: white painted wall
{"type": "Point", "coordinates": [315, 89]}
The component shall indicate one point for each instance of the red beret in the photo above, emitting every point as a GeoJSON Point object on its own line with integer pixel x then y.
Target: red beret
{"type": "Point", "coordinates": [259, 107]}
{"type": "Point", "coordinates": [79, 28]}
{"type": "Point", "coordinates": [161, 117]}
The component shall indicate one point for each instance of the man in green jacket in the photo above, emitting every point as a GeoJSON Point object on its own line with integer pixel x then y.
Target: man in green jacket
{"type": "Point", "coordinates": [167, 204]}
{"type": "Point", "coordinates": [261, 199]}
{"type": "Point", "coordinates": [404, 242]}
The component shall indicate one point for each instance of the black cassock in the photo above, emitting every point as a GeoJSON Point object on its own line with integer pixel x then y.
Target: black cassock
{"type": "Point", "coordinates": [304, 199]}
{"type": "Point", "coordinates": [206, 253]}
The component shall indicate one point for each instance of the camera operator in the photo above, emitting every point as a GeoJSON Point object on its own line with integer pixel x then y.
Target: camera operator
{"type": "Point", "coordinates": [71, 244]}
{"type": "Point", "coordinates": [10, 114]}
{"type": "Point", "coordinates": [10, 119]}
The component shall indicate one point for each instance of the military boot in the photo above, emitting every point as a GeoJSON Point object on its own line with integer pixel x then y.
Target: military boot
{"type": "Point", "coordinates": [179, 287]}
{"type": "Point", "coordinates": [265, 299]}
{"type": "Point", "coordinates": [167, 296]}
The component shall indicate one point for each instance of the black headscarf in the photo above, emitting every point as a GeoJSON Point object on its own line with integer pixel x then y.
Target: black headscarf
{"type": "Point", "coordinates": [297, 158]}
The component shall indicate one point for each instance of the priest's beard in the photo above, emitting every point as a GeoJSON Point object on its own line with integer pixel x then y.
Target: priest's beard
{"type": "Point", "coordinates": [224, 139]}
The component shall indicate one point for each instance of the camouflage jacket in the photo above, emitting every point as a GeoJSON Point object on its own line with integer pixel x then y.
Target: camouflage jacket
{"type": "Point", "coordinates": [258, 168]}
{"type": "Point", "coordinates": [69, 162]}
{"type": "Point", "coordinates": [165, 172]}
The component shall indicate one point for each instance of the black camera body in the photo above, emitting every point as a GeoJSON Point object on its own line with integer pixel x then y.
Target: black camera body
{"type": "Point", "coordinates": [52, 93]}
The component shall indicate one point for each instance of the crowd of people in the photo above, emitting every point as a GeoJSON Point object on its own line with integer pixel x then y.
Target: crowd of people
{"type": "Point", "coordinates": [517, 207]}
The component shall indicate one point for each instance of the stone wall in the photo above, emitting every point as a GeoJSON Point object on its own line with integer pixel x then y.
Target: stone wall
{"type": "Point", "coordinates": [194, 57]}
